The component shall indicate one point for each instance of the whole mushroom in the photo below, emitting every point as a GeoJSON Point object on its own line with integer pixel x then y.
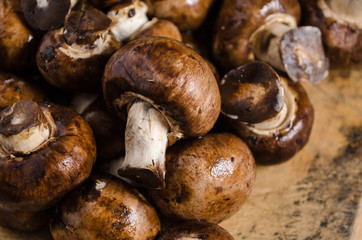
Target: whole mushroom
{"type": "Point", "coordinates": [206, 179]}
{"type": "Point", "coordinates": [46, 150]}
{"type": "Point", "coordinates": [268, 31]}
{"type": "Point", "coordinates": [105, 207]}
{"type": "Point", "coordinates": [168, 92]}
{"type": "Point", "coordinates": [271, 114]}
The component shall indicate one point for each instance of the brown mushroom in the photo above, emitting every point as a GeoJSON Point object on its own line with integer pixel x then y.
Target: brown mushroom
{"type": "Point", "coordinates": [46, 151]}
{"type": "Point", "coordinates": [158, 28]}
{"type": "Point", "coordinates": [14, 89]}
{"type": "Point", "coordinates": [46, 15]}
{"type": "Point", "coordinates": [105, 207]}
{"type": "Point", "coordinates": [169, 92]}
{"type": "Point", "coordinates": [73, 57]}
{"type": "Point", "coordinates": [105, 4]}
{"type": "Point", "coordinates": [187, 15]}
{"type": "Point", "coordinates": [270, 113]}
{"type": "Point", "coordinates": [267, 30]}
{"type": "Point", "coordinates": [23, 220]}
{"type": "Point", "coordinates": [206, 179]}
{"type": "Point", "coordinates": [18, 43]}
{"type": "Point", "coordinates": [193, 230]}
{"type": "Point", "coordinates": [340, 23]}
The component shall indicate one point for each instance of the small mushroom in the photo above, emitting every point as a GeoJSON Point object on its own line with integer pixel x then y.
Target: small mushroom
{"type": "Point", "coordinates": [270, 113]}
{"type": "Point", "coordinates": [158, 28]}
{"type": "Point", "coordinates": [46, 15]}
{"type": "Point", "coordinates": [73, 57]}
{"type": "Point", "coordinates": [193, 230]}
{"type": "Point", "coordinates": [340, 22]}
{"type": "Point", "coordinates": [46, 150]}
{"type": "Point", "coordinates": [187, 15]}
{"type": "Point", "coordinates": [268, 31]}
{"type": "Point", "coordinates": [105, 207]}
{"type": "Point", "coordinates": [23, 220]}
{"type": "Point", "coordinates": [106, 4]}
{"type": "Point", "coordinates": [167, 92]}
{"type": "Point", "coordinates": [206, 179]}
{"type": "Point", "coordinates": [14, 89]}
{"type": "Point", "coordinates": [18, 43]}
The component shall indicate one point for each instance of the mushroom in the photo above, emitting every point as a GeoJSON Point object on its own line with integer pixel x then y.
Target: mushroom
{"type": "Point", "coordinates": [18, 43]}
{"type": "Point", "coordinates": [14, 89]}
{"type": "Point", "coordinates": [193, 230]}
{"type": "Point", "coordinates": [46, 150]}
{"type": "Point", "coordinates": [187, 15]}
{"type": "Point", "coordinates": [270, 113]}
{"type": "Point", "coordinates": [105, 4]}
{"type": "Point", "coordinates": [23, 220]}
{"type": "Point", "coordinates": [108, 129]}
{"type": "Point", "coordinates": [341, 25]}
{"type": "Point", "coordinates": [73, 57]}
{"type": "Point", "coordinates": [105, 207]}
{"type": "Point", "coordinates": [206, 179]}
{"type": "Point", "coordinates": [158, 28]}
{"type": "Point", "coordinates": [46, 15]}
{"type": "Point", "coordinates": [268, 31]}
{"type": "Point", "coordinates": [169, 92]}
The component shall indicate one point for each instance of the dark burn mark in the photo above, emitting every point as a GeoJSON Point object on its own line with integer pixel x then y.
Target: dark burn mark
{"type": "Point", "coordinates": [132, 13]}
{"type": "Point", "coordinates": [48, 54]}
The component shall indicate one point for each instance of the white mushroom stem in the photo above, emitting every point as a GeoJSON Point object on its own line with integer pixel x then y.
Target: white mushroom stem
{"type": "Point", "coordinates": [265, 41]}
{"type": "Point", "coordinates": [145, 140]}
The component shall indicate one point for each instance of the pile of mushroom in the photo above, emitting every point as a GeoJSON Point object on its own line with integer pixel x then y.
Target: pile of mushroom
{"type": "Point", "coordinates": [154, 92]}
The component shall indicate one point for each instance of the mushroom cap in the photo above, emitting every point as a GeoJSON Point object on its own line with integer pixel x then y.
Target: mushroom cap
{"type": "Point", "coordinates": [342, 40]}
{"type": "Point", "coordinates": [75, 60]}
{"type": "Point", "coordinates": [47, 14]}
{"type": "Point", "coordinates": [237, 21]}
{"type": "Point", "coordinates": [105, 207]}
{"type": "Point", "coordinates": [284, 143]}
{"type": "Point", "coordinates": [251, 93]}
{"type": "Point", "coordinates": [104, 4]}
{"type": "Point", "coordinates": [14, 89]}
{"type": "Point", "coordinates": [38, 180]}
{"type": "Point", "coordinates": [18, 43]}
{"type": "Point", "coordinates": [193, 230]}
{"type": "Point", "coordinates": [187, 15]}
{"type": "Point", "coordinates": [169, 75]}
{"type": "Point", "coordinates": [206, 179]}
{"type": "Point", "coordinates": [158, 27]}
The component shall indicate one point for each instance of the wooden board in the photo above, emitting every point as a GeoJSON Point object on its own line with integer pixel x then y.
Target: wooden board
{"type": "Point", "coordinates": [318, 193]}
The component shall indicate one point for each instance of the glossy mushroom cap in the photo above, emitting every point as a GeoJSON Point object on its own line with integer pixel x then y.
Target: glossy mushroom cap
{"type": "Point", "coordinates": [105, 207]}
{"type": "Point", "coordinates": [168, 75]}
{"type": "Point", "coordinates": [43, 157]}
{"type": "Point", "coordinates": [158, 28]}
{"type": "Point", "coordinates": [340, 24]}
{"type": "Point", "coordinates": [195, 230]}
{"type": "Point", "coordinates": [251, 93]}
{"type": "Point", "coordinates": [206, 179]}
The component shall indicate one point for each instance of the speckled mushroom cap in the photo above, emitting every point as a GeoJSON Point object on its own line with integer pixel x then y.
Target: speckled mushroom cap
{"type": "Point", "coordinates": [169, 75]}
{"type": "Point", "coordinates": [105, 207]}
{"type": "Point", "coordinates": [206, 179]}
{"type": "Point", "coordinates": [37, 180]}
{"type": "Point", "coordinates": [18, 43]}
{"type": "Point", "coordinates": [193, 230]}
{"type": "Point", "coordinates": [14, 89]}
{"type": "Point", "coordinates": [342, 39]}
{"type": "Point", "coordinates": [236, 22]}
{"type": "Point", "coordinates": [278, 145]}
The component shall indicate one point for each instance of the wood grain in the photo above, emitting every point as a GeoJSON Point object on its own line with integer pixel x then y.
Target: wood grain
{"type": "Point", "coordinates": [318, 193]}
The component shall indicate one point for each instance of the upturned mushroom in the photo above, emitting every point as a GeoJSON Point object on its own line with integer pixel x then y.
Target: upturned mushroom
{"type": "Point", "coordinates": [46, 150]}
{"type": "Point", "coordinates": [193, 230]}
{"type": "Point", "coordinates": [268, 31]}
{"type": "Point", "coordinates": [341, 25]}
{"type": "Point", "coordinates": [168, 92]}
{"type": "Point", "coordinates": [73, 57]}
{"type": "Point", "coordinates": [105, 207]}
{"type": "Point", "coordinates": [271, 114]}
{"type": "Point", "coordinates": [46, 15]}
{"type": "Point", "coordinates": [18, 43]}
{"type": "Point", "coordinates": [206, 179]}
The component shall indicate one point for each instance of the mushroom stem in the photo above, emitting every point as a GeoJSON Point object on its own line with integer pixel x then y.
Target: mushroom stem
{"type": "Point", "coordinates": [145, 145]}
{"type": "Point", "coordinates": [24, 128]}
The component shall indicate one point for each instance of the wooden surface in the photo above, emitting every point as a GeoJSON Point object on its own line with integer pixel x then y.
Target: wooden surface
{"type": "Point", "coordinates": [318, 193]}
